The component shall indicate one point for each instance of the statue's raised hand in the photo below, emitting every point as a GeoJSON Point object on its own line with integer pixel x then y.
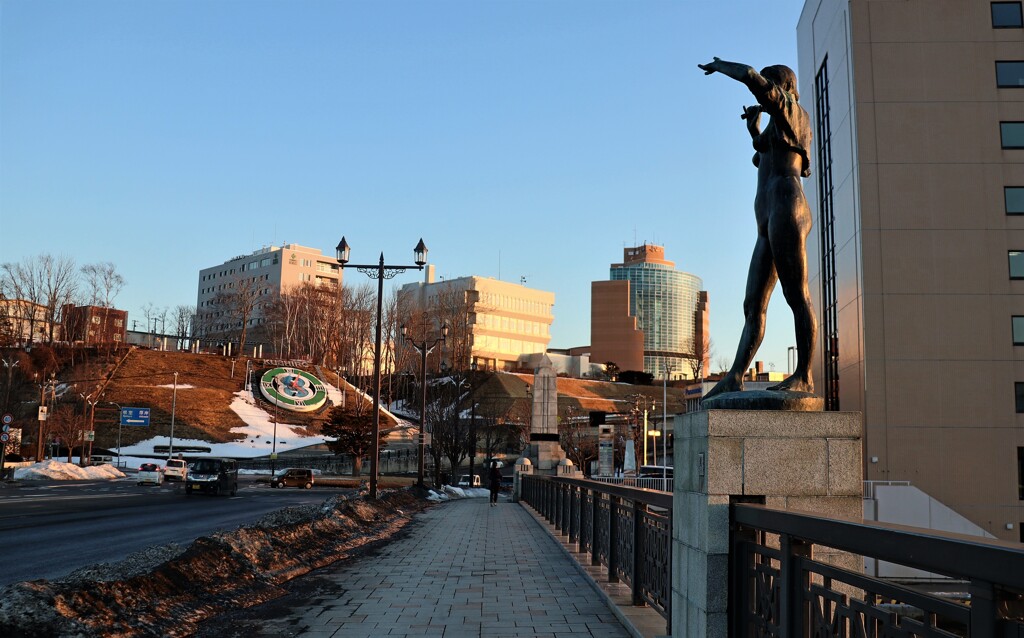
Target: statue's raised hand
{"type": "Point", "coordinates": [711, 67]}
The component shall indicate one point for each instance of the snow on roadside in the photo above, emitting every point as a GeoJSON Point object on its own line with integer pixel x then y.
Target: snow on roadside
{"type": "Point", "coordinates": [55, 470]}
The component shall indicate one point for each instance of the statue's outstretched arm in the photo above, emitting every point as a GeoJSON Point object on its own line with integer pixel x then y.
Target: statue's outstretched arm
{"type": "Point", "coordinates": [739, 72]}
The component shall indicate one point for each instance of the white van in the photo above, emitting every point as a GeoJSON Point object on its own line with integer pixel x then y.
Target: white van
{"type": "Point", "coordinates": [176, 470]}
{"type": "Point", "coordinates": [465, 481]}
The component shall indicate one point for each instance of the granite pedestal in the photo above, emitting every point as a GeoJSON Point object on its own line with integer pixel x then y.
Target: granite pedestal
{"type": "Point", "coordinates": [808, 461]}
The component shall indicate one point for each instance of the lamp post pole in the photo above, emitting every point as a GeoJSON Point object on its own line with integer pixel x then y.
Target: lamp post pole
{"type": "Point", "coordinates": [174, 404]}
{"type": "Point", "coordinates": [119, 424]}
{"type": "Point", "coordinates": [424, 347]}
{"type": "Point", "coordinates": [380, 272]}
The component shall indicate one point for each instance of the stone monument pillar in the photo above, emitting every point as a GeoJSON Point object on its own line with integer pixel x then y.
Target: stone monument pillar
{"type": "Point", "coordinates": [545, 451]}
{"type": "Point", "coordinates": [808, 461]}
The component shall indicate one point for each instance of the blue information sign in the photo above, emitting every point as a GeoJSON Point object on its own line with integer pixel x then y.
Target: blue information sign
{"type": "Point", "coordinates": [135, 416]}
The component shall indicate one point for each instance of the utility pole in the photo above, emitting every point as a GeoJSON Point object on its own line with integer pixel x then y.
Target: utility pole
{"type": "Point", "coordinates": [174, 402]}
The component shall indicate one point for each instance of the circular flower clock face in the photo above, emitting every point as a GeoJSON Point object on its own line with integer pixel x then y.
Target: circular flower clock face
{"type": "Point", "coordinates": [293, 389]}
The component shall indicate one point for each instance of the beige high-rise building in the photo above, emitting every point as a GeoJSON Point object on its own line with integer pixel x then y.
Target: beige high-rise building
{"type": "Point", "coordinates": [270, 270]}
{"type": "Point", "coordinates": [916, 254]}
{"type": "Point", "coordinates": [503, 320]}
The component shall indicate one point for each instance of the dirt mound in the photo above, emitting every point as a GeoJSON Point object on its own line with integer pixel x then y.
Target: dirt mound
{"type": "Point", "coordinates": [168, 591]}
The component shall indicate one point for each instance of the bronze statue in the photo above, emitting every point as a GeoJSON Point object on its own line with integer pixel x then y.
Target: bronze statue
{"type": "Point", "coordinates": [782, 215]}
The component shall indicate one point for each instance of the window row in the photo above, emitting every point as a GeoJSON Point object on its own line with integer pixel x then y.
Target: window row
{"type": "Point", "coordinates": [509, 324]}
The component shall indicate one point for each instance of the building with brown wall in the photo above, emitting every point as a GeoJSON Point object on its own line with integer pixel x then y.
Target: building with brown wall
{"type": "Point", "coordinates": [94, 324]}
{"type": "Point", "coordinates": [915, 257]}
{"type": "Point", "coordinates": [649, 316]}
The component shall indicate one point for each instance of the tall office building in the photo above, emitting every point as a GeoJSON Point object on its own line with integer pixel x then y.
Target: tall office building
{"type": "Point", "coordinates": [270, 271]}
{"type": "Point", "coordinates": [649, 316]}
{"type": "Point", "coordinates": [916, 255]}
{"type": "Point", "coordinates": [500, 321]}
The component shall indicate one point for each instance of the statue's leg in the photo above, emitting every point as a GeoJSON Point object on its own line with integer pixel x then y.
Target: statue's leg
{"type": "Point", "coordinates": [761, 280]}
{"type": "Point", "coordinates": [788, 231]}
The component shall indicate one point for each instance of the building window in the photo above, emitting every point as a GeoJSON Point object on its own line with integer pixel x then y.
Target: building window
{"type": "Point", "coordinates": [1007, 15]}
{"type": "Point", "coordinates": [1012, 134]}
{"type": "Point", "coordinates": [1016, 258]}
{"type": "Point", "coordinates": [1019, 392]}
{"type": "Point", "coordinates": [1014, 199]}
{"type": "Point", "coordinates": [1018, 330]}
{"type": "Point", "coordinates": [1010, 74]}
{"type": "Point", "coordinates": [1020, 473]}
{"type": "Point", "coordinates": [826, 228]}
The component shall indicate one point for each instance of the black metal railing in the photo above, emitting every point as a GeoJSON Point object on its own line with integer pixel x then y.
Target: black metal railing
{"type": "Point", "coordinates": [777, 588]}
{"type": "Point", "coordinates": [628, 530]}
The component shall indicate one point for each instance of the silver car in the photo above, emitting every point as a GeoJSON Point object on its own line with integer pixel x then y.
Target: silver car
{"type": "Point", "coordinates": [150, 474]}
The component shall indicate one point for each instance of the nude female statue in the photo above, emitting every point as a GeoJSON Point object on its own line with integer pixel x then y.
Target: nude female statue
{"type": "Point", "coordinates": [782, 215]}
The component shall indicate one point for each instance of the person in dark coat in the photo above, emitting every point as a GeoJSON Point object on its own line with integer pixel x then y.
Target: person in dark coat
{"type": "Point", "coordinates": [494, 478]}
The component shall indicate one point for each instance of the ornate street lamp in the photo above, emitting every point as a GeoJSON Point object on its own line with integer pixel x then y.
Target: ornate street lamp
{"type": "Point", "coordinates": [380, 272]}
{"type": "Point", "coordinates": [424, 347]}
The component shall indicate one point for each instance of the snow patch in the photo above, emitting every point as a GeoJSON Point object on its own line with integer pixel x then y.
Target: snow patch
{"type": "Point", "coordinates": [57, 471]}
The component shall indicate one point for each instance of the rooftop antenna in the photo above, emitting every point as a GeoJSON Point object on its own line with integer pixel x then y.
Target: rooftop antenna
{"type": "Point", "coordinates": [499, 264]}
{"type": "Point", "coordinates": [522, 279]}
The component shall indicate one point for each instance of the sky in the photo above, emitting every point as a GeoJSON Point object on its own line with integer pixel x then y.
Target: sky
{"type": "Point", "coordinates": [519, 139]}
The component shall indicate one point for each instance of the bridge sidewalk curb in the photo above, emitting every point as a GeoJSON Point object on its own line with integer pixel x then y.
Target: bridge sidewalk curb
{"type": "Point", "coordinates": [640, 622]}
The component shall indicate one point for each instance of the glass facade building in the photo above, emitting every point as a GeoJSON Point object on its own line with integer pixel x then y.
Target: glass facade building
{"type": "Point", "coordinates": [667, 306]}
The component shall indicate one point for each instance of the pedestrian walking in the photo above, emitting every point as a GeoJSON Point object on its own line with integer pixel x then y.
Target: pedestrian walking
{"type": "Point", "coordinates": [495, 482]}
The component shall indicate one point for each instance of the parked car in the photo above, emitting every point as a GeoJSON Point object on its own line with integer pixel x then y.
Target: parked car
{"type": "Point", "coordinates": [466, 481]}
{"type": "Point", "coordinates": [101, 459]}
{"type": "Point", "coordinates": [150, 474]}
{"type": "Point", "coordinates": [175, 470]}
{"type": "Point", "coordinates": [214, 476]}
{"type": "Point", "coordinates": [293, 477]}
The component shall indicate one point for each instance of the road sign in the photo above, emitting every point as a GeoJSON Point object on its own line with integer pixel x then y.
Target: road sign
{"type": "Point", "coordinates": [42, 412]}
{"type": "Point", "coordinates": [5, 427]}
{"type": "Point", "coordinates": [5, 437]}
{"type": "Point", "coordinates": [135, 416]}
{"type": "Point", "coordinates": [7, 419]}
{"type": "Point", "coordinates": [90, 435]}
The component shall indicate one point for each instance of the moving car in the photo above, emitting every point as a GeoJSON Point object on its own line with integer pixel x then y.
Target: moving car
{"type": "Point", "coordinates": [214, 476]}
{"type": "Point", "coordinates": [176, 470]}
{"type": "Point", "coordinates": [466, 481]}
{"type": "Point", "coordinates": [293, 477]}
{"type": "Point", "coordinates": [150, 474]}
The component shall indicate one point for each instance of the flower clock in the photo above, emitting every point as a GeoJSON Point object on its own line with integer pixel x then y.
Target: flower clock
{"type": "Point", "coordinates": [293, 389]}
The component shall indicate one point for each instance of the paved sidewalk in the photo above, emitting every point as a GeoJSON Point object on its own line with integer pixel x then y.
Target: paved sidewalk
{"type": "Point", "coordinates": [467, 569]}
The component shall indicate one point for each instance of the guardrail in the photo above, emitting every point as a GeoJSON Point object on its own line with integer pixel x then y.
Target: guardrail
{"type": "Point", "coordinates": [626, 529]}
{"type": "Point", "coordinates": [777, 588]}
{"type": "Point", "coordinates": [645, 482]}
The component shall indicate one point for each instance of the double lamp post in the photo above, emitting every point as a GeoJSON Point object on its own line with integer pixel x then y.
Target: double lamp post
{"type": "Point", "coordinates": [380, 272]}
{"type": "Point", "coordinates": [423, 346]}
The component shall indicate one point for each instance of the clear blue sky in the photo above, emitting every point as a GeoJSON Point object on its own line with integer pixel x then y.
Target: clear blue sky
{"type": "Point", "coordinates": [532, 139]}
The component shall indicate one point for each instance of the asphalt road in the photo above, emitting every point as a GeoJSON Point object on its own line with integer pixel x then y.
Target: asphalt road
{"type": "Point", "coordinates": [50, 529]}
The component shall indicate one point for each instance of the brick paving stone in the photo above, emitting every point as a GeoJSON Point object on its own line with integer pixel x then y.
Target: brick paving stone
{"type": "Point", "coordinates": [466, 570]}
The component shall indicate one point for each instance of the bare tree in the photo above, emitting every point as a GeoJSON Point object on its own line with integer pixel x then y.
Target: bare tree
{"type": "Point", "coordinates": [60, 283]}
{"type": "Point", "coordinates": [448, 433]}
{"type": "Point", "coordinates": [577, 438]}
{"type": "Point", "coordinates": [23, 284]}
{"type": "Point", "coordinates": [68, 424]}
{"type": "Point", "coordinates": [701, 356]}
{"type": "Point", "coordinates": [237, 305]}
{"type": "Point", "coordinates": [351, 427]}
{"type": "Point", "coordinates": [183, 318]}
{"type": "Point", "coordinates": [103, 284]}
